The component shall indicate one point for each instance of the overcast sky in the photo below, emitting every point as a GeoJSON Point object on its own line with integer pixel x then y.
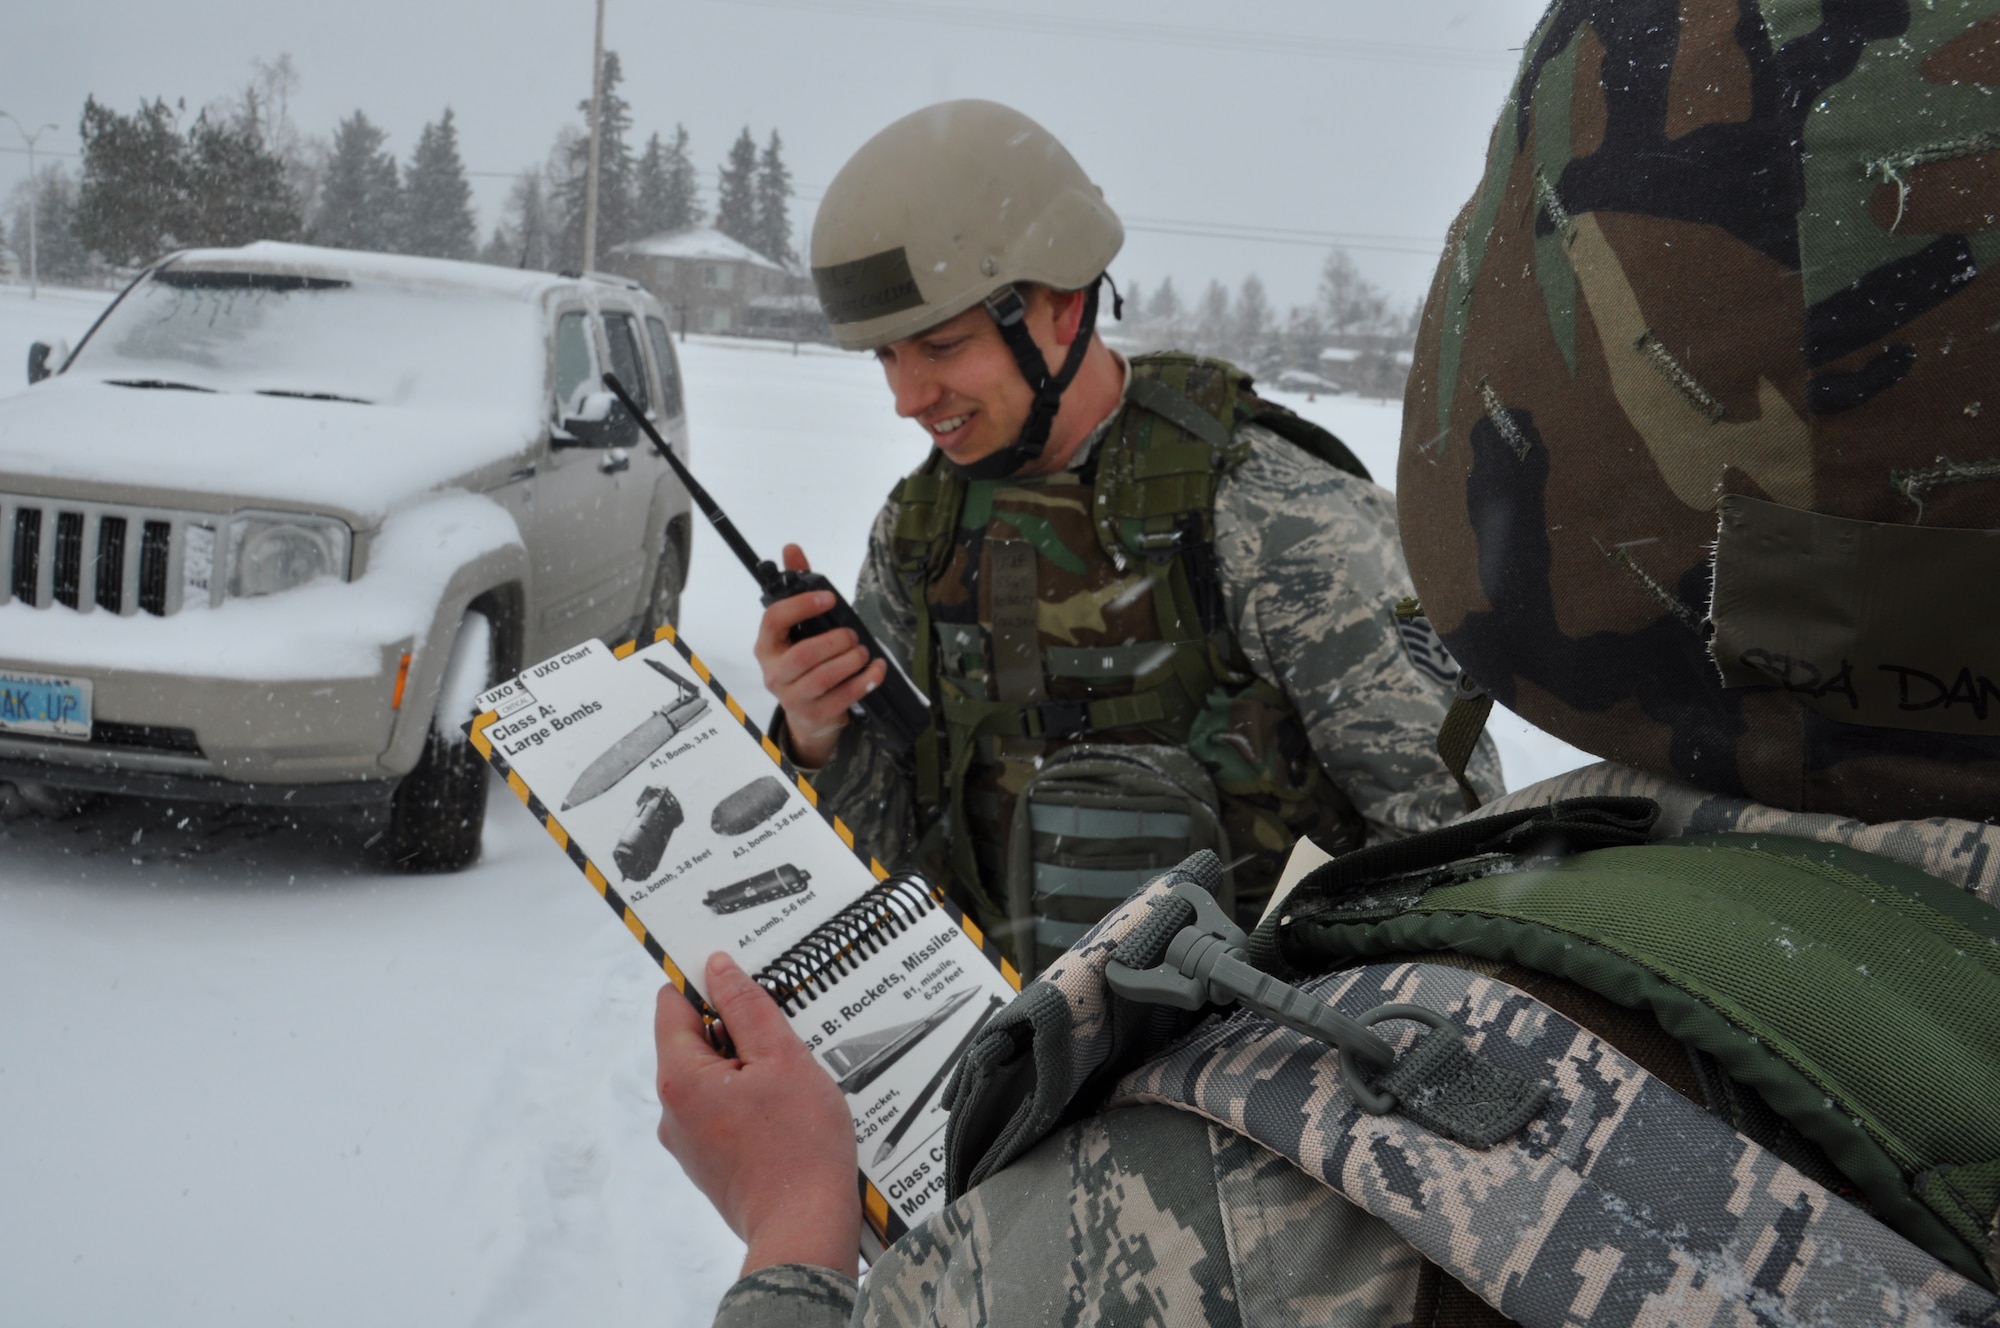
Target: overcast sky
{"type": "Point", "coordinates": [1316, 120]}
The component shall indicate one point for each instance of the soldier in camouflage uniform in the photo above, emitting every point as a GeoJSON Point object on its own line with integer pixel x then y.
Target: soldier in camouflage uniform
{"type": "Point", "coordinates": [1725, 273]}
{"type": "Point", "coordinates": [1150, 559]}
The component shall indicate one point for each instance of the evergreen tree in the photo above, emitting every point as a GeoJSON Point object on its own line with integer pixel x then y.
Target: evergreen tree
{"type": "Point", "coordinates": [437, 202]}
{"type": "Point", "coordinates": [666, 187]}
{"type": "Point", "coordinates": [132, 203]}
{"type": "Point", "coordinates": [1210, 333]}
{"type": "Point", "coordinates": [360, 201]}
{"type": "Point", "coordinates": [772, 226]}
{"type": "Point", "coordinates": [617, 199]}
{"type": "Point", "coordinates": [736, 205]}
{"type": "Point", "coordinates": [683, 185]}
{"type": "Point", "coordinates": [1250, 324]}
{"type": "Point", "coordinates": [237, 191]}
{"type": "Point", "coordinates": [1165, 307]}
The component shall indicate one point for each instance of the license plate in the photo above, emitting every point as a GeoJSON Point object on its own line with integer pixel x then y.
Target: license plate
{"type": "Point", "coordinates": [45, 706]}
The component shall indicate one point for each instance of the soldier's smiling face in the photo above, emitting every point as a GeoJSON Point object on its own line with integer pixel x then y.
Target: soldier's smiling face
{"type": "Point", "coordinates": [960, 382]}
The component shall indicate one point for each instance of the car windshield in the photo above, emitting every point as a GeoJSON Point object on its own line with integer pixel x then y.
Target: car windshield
{"type": "Point", "coordinates": [321, 339]}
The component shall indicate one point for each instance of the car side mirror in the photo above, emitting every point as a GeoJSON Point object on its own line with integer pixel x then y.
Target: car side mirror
{"type": "Point", "coordinates": [600, 421]}
{"type": "Point", "coordinates": [46, 358]}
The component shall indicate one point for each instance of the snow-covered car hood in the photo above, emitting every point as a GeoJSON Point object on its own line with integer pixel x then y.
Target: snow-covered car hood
{"type": "Point", "coordinates": [216, 450]}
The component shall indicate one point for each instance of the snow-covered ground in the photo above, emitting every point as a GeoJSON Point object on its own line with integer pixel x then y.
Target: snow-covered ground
{"type": "Point", "coordinates": [248, 1078]}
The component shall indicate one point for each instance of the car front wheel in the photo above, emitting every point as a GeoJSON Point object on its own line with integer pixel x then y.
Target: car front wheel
{"type": "Point", "coordinates": [439, 810]}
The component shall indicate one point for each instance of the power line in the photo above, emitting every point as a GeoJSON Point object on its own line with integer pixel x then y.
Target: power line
{"type": "Point", "coordinates": [1158, 34]}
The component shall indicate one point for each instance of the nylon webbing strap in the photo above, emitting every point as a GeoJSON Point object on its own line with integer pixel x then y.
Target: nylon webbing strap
{"type": "Point", "coordinates": [1178, 410]}
{"type": "Point", "coordinates": [1010, 315]}
{"type": "Point", "coordinates": [1458, 736]}
{"type": "Point", "coordinates": [1625, 1202]}
{"type": "Point", "coordinates": [1853, 994]}
{"type": "Point", "coordinates": [1017, 645]}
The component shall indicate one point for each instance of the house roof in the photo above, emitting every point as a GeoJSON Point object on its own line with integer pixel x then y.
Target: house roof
{"type": "Point", "coordinates": [699, 242]}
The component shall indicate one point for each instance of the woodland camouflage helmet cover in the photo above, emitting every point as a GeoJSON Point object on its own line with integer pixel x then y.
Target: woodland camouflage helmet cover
{"type": "Point", "coordinates": [943, 208]}
{"type": "Point", "coordinates": [1701, 453]}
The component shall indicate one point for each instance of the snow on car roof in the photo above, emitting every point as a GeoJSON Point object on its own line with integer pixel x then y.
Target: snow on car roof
{"type": "Point", "coordinates": [401, 269]}
{"type": "Point", "coordinates": [698, 242]}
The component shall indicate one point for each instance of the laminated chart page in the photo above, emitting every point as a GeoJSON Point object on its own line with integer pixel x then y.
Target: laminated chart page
{"type": "Point", "coordinates": [688, 821]}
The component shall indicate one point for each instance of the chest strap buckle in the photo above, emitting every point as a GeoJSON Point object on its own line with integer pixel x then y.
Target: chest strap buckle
{"type": "Point", "coordinates": [1439, 1083]}
{"type": "Point", "coordinates": [1056, 719]}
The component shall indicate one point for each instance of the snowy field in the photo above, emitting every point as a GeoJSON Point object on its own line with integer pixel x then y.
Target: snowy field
{"type": "Point", "coordinates": [246, 1079]}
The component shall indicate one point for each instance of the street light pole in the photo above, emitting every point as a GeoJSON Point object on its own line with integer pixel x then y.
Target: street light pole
{"type": "Point", "coordinates": [596, 137]}
{"type": "Point", "coordinates": [34, 202]}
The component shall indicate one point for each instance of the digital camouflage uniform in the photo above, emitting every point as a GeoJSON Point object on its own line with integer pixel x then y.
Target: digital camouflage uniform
{"type": "Point", "coordinates": [1310, 572]}
{"type": "Point", "coordinates": [1723, 288]}
{"type": "Point", "coordinates": [1147, 1214]}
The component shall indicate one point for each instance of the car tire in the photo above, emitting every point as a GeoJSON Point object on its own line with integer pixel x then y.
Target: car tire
{"type": "Point", "coordinates": [663, 599]}
{"type": "Point", "coordinates": [439, 810]}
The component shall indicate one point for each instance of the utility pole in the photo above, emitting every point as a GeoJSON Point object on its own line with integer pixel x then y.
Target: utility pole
{"type": "Point", "coordinates": [34, 185]}
{"type": "Point", "coordinates": [596, 138]}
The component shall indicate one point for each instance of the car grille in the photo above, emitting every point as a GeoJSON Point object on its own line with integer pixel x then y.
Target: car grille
{"type": "Point", "coordinates": [88, 556]}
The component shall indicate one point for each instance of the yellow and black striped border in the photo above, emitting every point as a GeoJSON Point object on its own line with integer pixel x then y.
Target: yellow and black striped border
{"type": "Point", "coordinates": [874, 1204]}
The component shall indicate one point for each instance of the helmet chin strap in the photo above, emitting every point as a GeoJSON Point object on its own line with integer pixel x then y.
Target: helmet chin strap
{"type": "Point", "coordinates": [1010, 313]}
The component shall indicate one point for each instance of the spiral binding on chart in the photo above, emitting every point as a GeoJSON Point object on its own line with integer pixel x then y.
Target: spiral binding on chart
{"type": "Point", "coordinates": [837, 946]}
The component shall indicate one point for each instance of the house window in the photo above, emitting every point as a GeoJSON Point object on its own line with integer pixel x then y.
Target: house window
{"type": "Point", "coordinates": [717, 276]}
{"type": "Point", "coordinates": [714, 319]}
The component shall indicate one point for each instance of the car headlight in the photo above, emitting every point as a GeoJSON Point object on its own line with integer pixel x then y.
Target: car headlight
{"type": "Point", "coordinates": [274, 551]}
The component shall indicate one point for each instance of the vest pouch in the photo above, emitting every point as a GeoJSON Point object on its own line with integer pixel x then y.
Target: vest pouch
{"type": "Point", "coordinates": [1093, 825]}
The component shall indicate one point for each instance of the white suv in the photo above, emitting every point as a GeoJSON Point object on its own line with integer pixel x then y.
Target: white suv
{"type": "Point", "coordinates": [284, 511]}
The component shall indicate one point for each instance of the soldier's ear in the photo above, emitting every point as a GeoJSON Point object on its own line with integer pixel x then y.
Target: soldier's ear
{"type": "Point", "coordinates": [1065, 310]}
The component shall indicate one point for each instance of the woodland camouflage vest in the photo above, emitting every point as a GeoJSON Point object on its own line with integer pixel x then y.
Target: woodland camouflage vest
{"type": "Point", "coordinates": [1085, 607]}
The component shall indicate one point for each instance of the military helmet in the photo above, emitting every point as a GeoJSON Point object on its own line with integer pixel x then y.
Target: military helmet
{"type": "Point", "coordinates": [1701, 450]}
{"type": "Point", "coordinates": [945, 207]}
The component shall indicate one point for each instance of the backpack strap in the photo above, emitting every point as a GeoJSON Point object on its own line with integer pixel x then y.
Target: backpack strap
{"type": "Point", "coordinates": [1853, 994]}
{"type": "Point", "coordinates": [1620, 1200]}
{"type": "Point", "coordinates": [1624, 1200]}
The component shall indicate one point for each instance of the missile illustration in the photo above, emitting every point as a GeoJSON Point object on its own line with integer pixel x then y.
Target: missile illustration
{"type": "Point", "coordinates": [636, 748]}
{"type": "Point", "coordinates": [923, 1098]}
{"type": "Point", "coordinates": [859, 1060]}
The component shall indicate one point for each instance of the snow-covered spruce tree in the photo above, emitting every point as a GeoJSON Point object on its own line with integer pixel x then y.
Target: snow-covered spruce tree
{"type": "Point", "coordinates": [1165, 319]}
{"type": "Point", "coordinates": [666, 186]}
{"type": "Point", "coordinates": [1209, 331]}
{"type": "Point", "coordinates": [772, 227]}
{"type": "Point", "coordinates": [360, 202]}
{"type": "Point", "coordinates": [617, 202]}
{"type": "Point", "coordinates": [237, 190]}
{"type": "Point", "coordinates": [132, 203]}
{"type": "Point", "coordinates": [1250, 326]}
{"type": "Point", "coordinates": [736, 187]}
{"type": "Point", "coordinates": [437, 201]}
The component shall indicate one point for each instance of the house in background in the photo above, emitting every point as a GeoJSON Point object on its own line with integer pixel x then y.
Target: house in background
{"type": "Point", "coordinates": [711, 283]}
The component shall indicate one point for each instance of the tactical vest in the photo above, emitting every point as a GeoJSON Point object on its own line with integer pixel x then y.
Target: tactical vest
{"type": "Point", "coordinates": [1084, 607]}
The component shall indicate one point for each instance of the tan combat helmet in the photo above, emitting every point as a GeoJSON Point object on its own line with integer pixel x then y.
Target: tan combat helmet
{"type": "Point", "coordinates": [945, 207]}
{"type": "Point", "coordinates": [954, 206]}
